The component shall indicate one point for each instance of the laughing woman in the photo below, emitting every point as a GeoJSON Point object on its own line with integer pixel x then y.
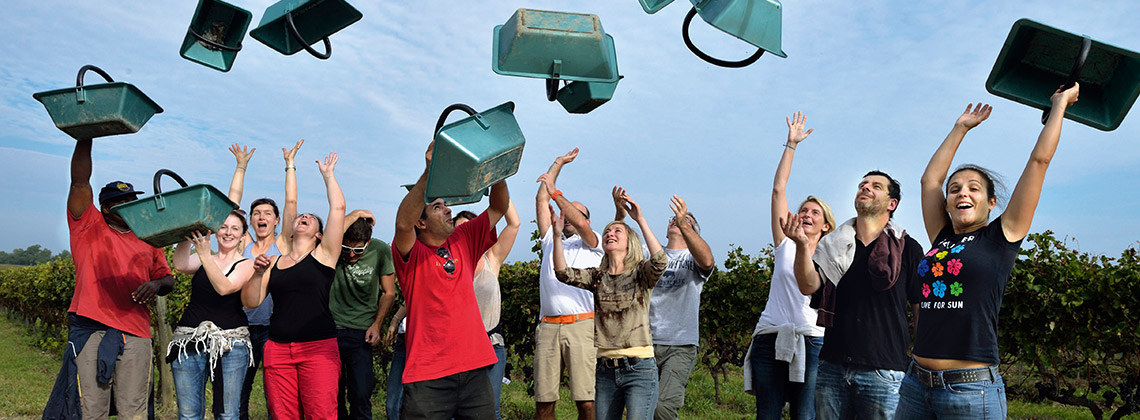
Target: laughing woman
{"type": "Point", "coordinates": [211, 340]}
{"type": "Point", "coordinates": [954, 373]}
{"type": "Point", "coordinates": [302, 360]}
{"type": "Point", "coordinates": [626, 374]}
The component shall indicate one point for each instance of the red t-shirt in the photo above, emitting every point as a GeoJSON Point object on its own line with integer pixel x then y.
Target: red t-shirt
{"type": "Point", "coordinates": [109, 266]}
{"type": "Point", "coordinates": [445, 334]}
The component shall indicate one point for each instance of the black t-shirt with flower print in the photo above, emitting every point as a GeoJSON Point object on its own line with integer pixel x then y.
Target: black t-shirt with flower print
{"type": "Point", "coordinates": [959, 290]}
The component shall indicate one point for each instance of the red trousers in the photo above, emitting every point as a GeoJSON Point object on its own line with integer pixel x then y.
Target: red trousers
{"type": "Point", "coordinates": [301, 379]}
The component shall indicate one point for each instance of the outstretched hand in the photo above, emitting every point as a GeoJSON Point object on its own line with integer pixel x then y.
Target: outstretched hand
{"type": "Point", "coordinates": [794, 229]}
{"type": "Point", "coordinates": [631, 206]}
{"type": "Point", "coordinates": [242, 154]}
{"type": "Point", "coordinates": [292, 153]}
{"type": "Point", "coordinates": [328, 165]}
{"type": "Point", "coordinates": [548, 182]}
{"type": "Point", "coordinates": [201, 242]}
{"type": "Point", "coordinates": [971, 119]}
{"type": "Point", "coordinates": [556, 222]}
{"type": "Point", "coordinates": [261, 263]}
{"type": "Point", "coordinates": [1066, 97]}
{"type": "Point", "coordinates": [617, 193]}
{"type": "Point", "coordinates": [680, 211]}
{"type": "Point", "coordinates": [796, 125]}
{"type": "Point", "coordinates": [567, 158]}
{"type": "Point", "coordinates": [428, 153]}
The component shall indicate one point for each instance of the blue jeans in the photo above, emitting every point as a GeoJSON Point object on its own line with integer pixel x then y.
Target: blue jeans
{"type": "Point", "coordinates": [395, 383]}
{"type": "Point", "coordinates": [849, 391]}
{"type": "Point", "coordinates": [495, 374]}
{"type": "Point", "coordinates": [629, 387]}
{"type": "Point", "coordinates": [354, 395]}
{"type": "Point", "coordinates": [258, 335]}
{"type": "Point", "coordinates": [190, 373]}
{"type": "Point", "coordinates": [969, 400]}
{"type": "Point", "coordinates": [770, 380]}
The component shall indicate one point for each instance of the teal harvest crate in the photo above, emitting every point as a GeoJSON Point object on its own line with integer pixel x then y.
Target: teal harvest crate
{"type": "Point", "coordinates": [167, 218]}
{"type": "Point", "coordinates": [554, 45]}
{"type": "Point", "coordinates": [104, 109]}
{"type": "Point", "coordinates": [215, 34]}
{"type": "Point", "coordinates": [583, 97]}
{"type": "Point", "coordinates": [289, 26]}
{"type": "Point", "coordinates": [757, 22]}
{"type": "Point", "coordinates": [474, 153]}
{"type": "Point", "coordinates": [653, 6]}
{"type": "Point", "coordinates": [455, 201]}
{"type": "Point", "coordinates": [1037, 58]}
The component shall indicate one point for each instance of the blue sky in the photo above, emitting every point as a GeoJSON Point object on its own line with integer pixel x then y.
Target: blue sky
{"type": "Point", "coordinates": [880, 81]}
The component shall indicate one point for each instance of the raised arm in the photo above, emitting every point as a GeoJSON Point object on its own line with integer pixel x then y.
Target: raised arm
{"type": "Point", "coordinates": [542, 198]}
{"type": "Point", "coordinates": [79, 195]}
{"type": "Point", "coordinates": [634, 211]}
{"type": "Point", "coordinates": [183, 260]}
{"type": "Point", "coordinates": [502, 248]}
{"type": "Point", "coordinates": [329, 249]}
{"type": "Point", "coordinates": [222, 283]}
{"type": "Point", "coordinates": [796, 134]}
{"type": "Point", "coordinates": [702, 254]}
{"type": "Point", "coordinates": [1018, 214]}
{"type": "Point", "coordinates": [570, 213]}
{"type": "Point", "coordinates": [933, 198]}
{"type": "Point", "coordinates": [619, 209]}
{"type": "Point", "coordinates": [499, 203]}
{"type": "Point", "coordinates": [807, 278]}
{"type": "Point", "coordinates": [409, 211]}
{"type": "Point", "coordinates": [237, 184]}
{"type": "Point", "coordinates": [284, 240]}
{"type": "Point", "coordinates": [254, 291]}
{"type": "Point", "coordinates": [559, 257]}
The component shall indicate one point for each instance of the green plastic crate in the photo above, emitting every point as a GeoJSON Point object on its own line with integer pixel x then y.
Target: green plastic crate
{"type": "Point", "coordinates": [168, 218]}
{"type": "Point", "coordinates": [583, 97]}
{"type": "Point", "coordinates": [455, 201]}
{"type": "Point", "coordinates": [104, 109]}
{"type": "Point", "coordinates": [1037, 58]}
{"type": "Point", "coordinates": [757, 22]}
{"type": "Point", "coordinates": [474, 153]}
{"type": "Point", "coordinates": [554, 45]}
{"type": "Point", "coordinates": [653, 6]}
{"type": "Point", "coordinates": [215, 34]}
{"type": "Point", "coordinates": [314, 20]}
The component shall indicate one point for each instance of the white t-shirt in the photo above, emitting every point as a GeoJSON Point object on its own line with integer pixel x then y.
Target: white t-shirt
{"type": "Point", "coordinates": [785, 302]}
{"type": "Point", "coordinates": [674, 306]}
{"type": "Point", "coordinates": [558, 298]}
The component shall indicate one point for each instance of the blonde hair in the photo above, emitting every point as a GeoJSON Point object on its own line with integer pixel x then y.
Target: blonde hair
{"type": "Point", "coordinates": [828, 217]}
{"type": "Point", "coordinates": [633, 253]}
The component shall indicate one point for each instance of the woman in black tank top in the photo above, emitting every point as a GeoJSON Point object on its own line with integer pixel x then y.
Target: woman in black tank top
{"type": "Point", "coordinates": [211, 340]}
{"type": "Point", "coordinates": [302, 361]}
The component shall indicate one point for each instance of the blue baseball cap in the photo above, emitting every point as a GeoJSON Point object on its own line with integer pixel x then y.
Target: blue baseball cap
{"type": "Point", "coordinates": [115, 190]}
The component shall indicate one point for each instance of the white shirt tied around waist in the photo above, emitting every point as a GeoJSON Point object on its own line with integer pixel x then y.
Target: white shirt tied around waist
{"type": "Point", "coordinates": [210, 339]}
{"type": "Point", "coordinates": [557, 298]}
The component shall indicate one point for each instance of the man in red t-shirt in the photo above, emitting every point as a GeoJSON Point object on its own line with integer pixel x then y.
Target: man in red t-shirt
{"type": "Point", "coordinates": [448, 350]}
{"type": "Point", "coordinates": [116, 276]}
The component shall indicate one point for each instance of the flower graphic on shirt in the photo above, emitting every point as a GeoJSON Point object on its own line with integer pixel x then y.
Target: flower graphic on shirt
{"type": "Point", "coordinates": [923, 267]}
{"type": "Point", "coordinates": [939, 289]}
{"type": "Point", "coordinates": [957, 249]}
{"type": "Point", "coordinates": [955, 288]}
{"type": "Point", "coordinates": [925, 290]}
{"type": "Point", "coordinates": [932, 252]}
{"type": "Point", "coordinates": [937, 269]}
{"type": "Point", "coordinates": [942, 254]}
{"type": "Point", "coordinates": [954, 266]}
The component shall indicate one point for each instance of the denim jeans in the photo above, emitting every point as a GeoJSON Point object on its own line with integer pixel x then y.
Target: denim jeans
{"type": "Point", "coordinates": [258, 335]}
{"type": "Point", "coordinates": [969, 400]}
{"type": "Point", "coordinates": [850, 391]}
{"type": "Point", "coordinates": [770, 380]}
{"type": "Point", "coordinates": [354, 397]}
{"type": "Point", "coordinates": [495, 374]}
{"type": "Point", "coordinates": [630, 387]}
{"type": "Point", "coordinates": [395, 383]}
{"type": "Point", "coordinates": [190, 373]}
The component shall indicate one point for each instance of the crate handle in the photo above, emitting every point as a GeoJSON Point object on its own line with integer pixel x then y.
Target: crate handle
{"type": "Point", "coordinates": [297, 35]}
{"type": "Point", "coordinates": [211, 43]}
{"type": "Point", "coordinates": [80, 94]}
{"type": "Point", "coordinates": [159, 201]}
{"type": "Point", "coordinates": [552, 89]}
{"type": "Point", "coordinates": [708, 58]}
{"type": "Point", "coordinates": [1075, 73]}
{"type": "Point", "coordinates": [453, 107]}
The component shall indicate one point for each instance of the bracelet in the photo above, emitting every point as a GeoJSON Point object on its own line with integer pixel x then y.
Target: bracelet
{"type": "Point", "coordinates": [288, 167]}
{"type": "Point", "coordinates": [555, 194]}
{"type": "Point", "coordinates": [789, 146]}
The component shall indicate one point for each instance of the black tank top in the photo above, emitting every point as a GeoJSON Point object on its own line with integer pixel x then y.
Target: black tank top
{"type": "Point", "coordinates": [207, 305]}
{"type": "Point", "coordinates": [301, 302]}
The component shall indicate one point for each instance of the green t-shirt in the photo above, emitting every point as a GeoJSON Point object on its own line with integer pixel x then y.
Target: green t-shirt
{"type": "Point", "coordinates": [355, 294]}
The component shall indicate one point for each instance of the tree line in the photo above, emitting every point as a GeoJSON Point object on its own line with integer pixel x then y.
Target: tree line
{"type": "Point", "coordinates": [31, 255]}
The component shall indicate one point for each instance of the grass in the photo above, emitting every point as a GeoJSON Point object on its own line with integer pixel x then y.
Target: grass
{"type": "Point", "coordinates": [8, 266]}
{"type": "Point", "coordinates": [27, 375]}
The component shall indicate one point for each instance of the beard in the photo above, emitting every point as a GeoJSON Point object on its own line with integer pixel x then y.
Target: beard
{"type": "Point", "coordinates": [871, 208]}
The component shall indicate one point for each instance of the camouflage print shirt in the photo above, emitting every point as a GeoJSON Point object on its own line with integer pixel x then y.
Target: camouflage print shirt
{"type": "Point", "coordinates": [621, 302]}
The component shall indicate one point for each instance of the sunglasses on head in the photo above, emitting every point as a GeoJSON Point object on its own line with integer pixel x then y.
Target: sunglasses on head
{"type": "Point", "coordinates": [449, 265]}
{"type": "Point", "coordinates": [356, 251]}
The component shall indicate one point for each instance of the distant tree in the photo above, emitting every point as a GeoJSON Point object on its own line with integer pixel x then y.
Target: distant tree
{"type": "Point", "coordinates": [31, 255]}
{"type": "Point", "coordinates": [62, 254]}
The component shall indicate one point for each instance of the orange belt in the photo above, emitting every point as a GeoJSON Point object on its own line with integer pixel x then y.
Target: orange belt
{"type": "Point", "coordinates": [567, 319]}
